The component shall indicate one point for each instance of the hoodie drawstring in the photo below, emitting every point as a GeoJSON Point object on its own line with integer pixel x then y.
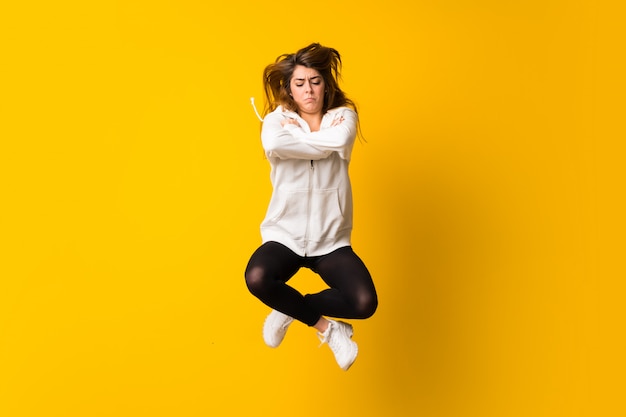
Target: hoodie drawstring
{"type": "Point", "coordinates": [255, 110]}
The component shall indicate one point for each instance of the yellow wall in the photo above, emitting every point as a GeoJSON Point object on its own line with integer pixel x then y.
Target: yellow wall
{"type": "Point", "coordinates": [133, 184]}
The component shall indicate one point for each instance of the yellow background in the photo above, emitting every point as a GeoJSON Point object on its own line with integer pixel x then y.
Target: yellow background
{"type": "Point", "coordinates": [488, 208]}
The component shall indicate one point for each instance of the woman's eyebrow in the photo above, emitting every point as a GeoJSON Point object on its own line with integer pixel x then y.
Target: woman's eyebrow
{"type": "Point", "coordinates": [311, 78]}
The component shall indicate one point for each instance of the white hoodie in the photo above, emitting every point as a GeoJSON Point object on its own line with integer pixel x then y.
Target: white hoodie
{"type": "Point", "coordinates": [310, 211]}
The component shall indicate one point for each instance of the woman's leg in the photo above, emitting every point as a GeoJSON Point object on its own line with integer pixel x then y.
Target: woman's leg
{"type": "Point", "coordinates": [352, 294]}
{"type": "Point", "coordinates": [268, 270]}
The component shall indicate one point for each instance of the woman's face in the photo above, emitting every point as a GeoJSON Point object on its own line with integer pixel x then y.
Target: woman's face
{"type": "Point", "coordinates": [307, 90]}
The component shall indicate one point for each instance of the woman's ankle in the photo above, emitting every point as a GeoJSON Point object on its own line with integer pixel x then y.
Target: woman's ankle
{"type": "Point", "coordinates": [321, 325]}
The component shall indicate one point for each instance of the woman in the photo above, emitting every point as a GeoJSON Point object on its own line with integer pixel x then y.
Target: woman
{"type": "Point", "coordinates": [308, 133]}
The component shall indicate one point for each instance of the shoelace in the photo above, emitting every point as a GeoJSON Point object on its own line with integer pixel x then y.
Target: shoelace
{"type": "Point", "coordinates": [325, 337]}
{"type": "Point", "coordinates": [334, 344]}
{"type": "Point", "coordinates": [286, 323]}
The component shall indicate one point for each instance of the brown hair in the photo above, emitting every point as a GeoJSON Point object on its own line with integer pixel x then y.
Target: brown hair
{"type": "Point", "coordinates": [277, 78]}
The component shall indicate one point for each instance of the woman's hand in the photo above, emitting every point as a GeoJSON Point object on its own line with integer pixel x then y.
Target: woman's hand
{"type": "Point", "coordinates": [289, 121]}
{"type": "Point", "coordinates": [337, 121]}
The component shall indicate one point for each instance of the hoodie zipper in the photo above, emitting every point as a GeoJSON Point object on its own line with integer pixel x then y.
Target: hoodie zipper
{"type": "Point", "coordinates": [308, 209]}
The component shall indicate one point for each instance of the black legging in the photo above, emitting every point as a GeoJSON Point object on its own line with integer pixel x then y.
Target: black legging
{"type": "Point", "coordinates": [351, 294]}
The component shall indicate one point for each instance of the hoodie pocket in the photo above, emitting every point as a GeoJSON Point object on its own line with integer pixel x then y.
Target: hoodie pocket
{"type": "Point", "coordinates": [288, 211]}
{"type": "Point", "coordinates": [326, 215]}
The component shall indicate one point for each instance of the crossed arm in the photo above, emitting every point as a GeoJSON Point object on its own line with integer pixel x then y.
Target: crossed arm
{"type": "Point", "coordinates": [284, 138]}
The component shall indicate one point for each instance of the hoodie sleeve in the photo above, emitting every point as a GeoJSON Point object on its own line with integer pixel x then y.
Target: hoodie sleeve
{"type": "Point", "coordinates": [293, 142]}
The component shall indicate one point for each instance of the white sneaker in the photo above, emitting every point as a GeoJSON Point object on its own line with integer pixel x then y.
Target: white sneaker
{"type": "Point", "coordinates": [275, 328]}
{"type": "Point", "coordinates": [338, 336]}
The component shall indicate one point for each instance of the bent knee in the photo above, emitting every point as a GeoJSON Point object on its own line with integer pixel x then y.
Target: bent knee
{"type": "Point", "coordinates": [256, 280]}
{"type": "Point", "coordinates": [366, 305]}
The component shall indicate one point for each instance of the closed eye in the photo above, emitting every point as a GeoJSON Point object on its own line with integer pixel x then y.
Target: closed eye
{"type": "Point", "coordinates": [299, 82]}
